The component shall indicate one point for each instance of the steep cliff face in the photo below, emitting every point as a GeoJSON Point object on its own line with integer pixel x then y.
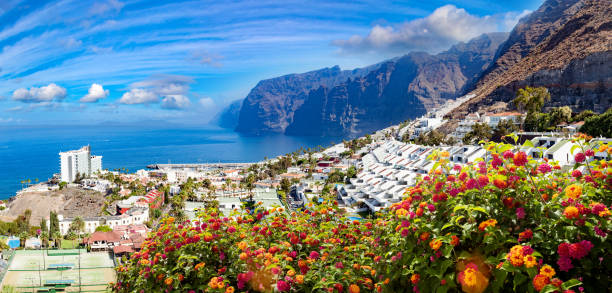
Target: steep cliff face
{"type": "Point", "coordinates": [565, 46]}
{"type": "Point", "coordinates": [228, 117]}
{"type": "Point", "coordinates": [399, 89]}
{"type": "Point", "coordinates": [270, 105]}
{"type": "Point", "coordinates": [331, 101]}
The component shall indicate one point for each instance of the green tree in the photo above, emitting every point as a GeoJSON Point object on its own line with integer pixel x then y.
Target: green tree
{"type": "Point", "coordinates": [62, 185]}
{"type": "Point", "coordinates": [598, 125]}
{"type": "Point", "coordinates": [531, 99]}
{"type": "Point", "coordinates": [582, 116]}
{"type": "Point", "coordinates": [77, 226]}
{"type": "Point", "coordinates": [285, 185]}
{"type": "Point", "coordinates": [559, 115]}
{"type": "Point", "coordinates": [103, 228]}
{"type": "Point", "coordinates": [480, 131]}
{"type": "Point", "coordinates": [53, 223]}
{"type": "Point", "coordinates": [503, 128]}
{"type": "Point", "coordinates": [433, 137]}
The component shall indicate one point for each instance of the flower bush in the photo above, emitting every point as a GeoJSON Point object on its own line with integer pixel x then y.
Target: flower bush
{"type": "Point", "coordinates": [507, 223]}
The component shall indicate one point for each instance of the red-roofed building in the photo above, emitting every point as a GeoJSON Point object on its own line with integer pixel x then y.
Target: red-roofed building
{"type": "Point", "coordinates": [154, 198]}
{"type": "Point", "coordinates": [103, 240]}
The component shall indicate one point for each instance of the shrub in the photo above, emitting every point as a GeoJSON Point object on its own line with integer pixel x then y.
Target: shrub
{"type": "Point", "coordinates": [506, 224]}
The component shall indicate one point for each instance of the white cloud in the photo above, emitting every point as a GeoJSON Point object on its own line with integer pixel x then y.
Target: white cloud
{"type": "Point", "coordinates": [101, 7]}
{"type": "Point", "coordinates": [72, 43]}
{"type": "Point", "coordinates": [207, 103]}
{"type": "Point", "coordinates": [164, 85]}
{"type": "Point", "coordinates": [175, 102]}
{"type": "Point", "coordinates": [139, 96]}
{"type": "Point", "coordinates": [444, 27]}
{"type": "Point", "coordinates": [206, 58]}
{"type": "Point", "coordinates": [42, 94]}
{"type": "Point", "coordinates": [96, 93]}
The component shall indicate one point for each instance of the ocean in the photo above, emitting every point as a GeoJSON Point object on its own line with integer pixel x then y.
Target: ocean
{"type": "Point", "coordinates": [32, 152]}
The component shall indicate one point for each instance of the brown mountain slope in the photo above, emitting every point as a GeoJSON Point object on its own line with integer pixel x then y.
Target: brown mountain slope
{"type": "Point", "coordinates": [566, 46]}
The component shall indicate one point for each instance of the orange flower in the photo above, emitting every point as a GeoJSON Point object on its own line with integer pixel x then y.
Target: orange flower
{"type": "Point", "coordinates": [291, 273]}
{"type": "Point", "coordinates": [547, 271]}
{"type": "Point", "coordinates": [571, 212]}
{"type": "Point", "coordinates": [454, 240]}
{"type": "Point", "coordinates": [168, 281]}
{"type": "Point", "coordinates": [487, 223]}
{"type": "Point", "coordinates": [299, 279]}
{"type": "Point", "coordinates": [354, 288]}
{"type": "Point", "coordinates": [540, 281]}
{"type": "Point", "coordinates": [415, 279]}
{"type": "Point", "coordinates": [573, 191]}
{"type": "Point", "coordinates": [229, 289]}
{"type": "Point", "coordinates": [435, 244]}
{"type": "Point", "coordinates": [424, 236]}
{"type": "Point", "coordinates": [200, 265]}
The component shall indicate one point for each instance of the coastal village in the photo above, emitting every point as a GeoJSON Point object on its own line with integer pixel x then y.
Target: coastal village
{"type": "Point", "coordinates": [111, 212]}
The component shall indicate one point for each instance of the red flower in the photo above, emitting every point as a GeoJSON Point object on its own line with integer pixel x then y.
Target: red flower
{"type": "Point", "coordinates": [579, 157]}
{"type": "Point", "coordinates": [589, 153]}
{"type": "Point", "coordinates": [576, 174]}
{"type": "Point", "coordinates": [520, 159]}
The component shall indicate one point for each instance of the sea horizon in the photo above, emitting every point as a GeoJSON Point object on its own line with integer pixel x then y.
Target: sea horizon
{"type": "Point", "coordinates": [32, 151]}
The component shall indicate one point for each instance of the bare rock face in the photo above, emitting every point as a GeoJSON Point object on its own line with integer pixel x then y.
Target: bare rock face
{"type": "Point", "coordinates": [270, 105]}
{"type": "Point", "coordinates": [566, 46]}
{"type": "Point", "coordinates": [347, 103]}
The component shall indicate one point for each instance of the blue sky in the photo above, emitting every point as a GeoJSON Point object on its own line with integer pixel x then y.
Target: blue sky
{"type": "Point", "coordinates": [86, 62]}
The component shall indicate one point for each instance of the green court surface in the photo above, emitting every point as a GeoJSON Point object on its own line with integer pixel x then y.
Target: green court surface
{"type": "Point", "coordinates": [35, 270]}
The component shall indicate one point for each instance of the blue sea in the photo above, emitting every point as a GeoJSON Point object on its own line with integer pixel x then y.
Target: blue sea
{"type": "Point", "coordinates": [32, 152]}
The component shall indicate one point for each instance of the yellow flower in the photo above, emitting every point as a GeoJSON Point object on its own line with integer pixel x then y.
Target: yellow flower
{"type": "Point", "coordinates": [529, 261]}
{"type": "Point", "coordinates": [573, 191]}
{"type": "Point", "coordinates": [299, 279]}
{"type": "Point", "coordinates": [547, 271]}
{"type": "Point", "coordinates": [401, 212]}
{"type": "Point", "coordinates": [444, 154]}
{"type": "Point", "coordinates": [242, 245]}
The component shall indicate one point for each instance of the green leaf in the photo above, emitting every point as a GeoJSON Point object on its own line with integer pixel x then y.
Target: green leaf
{"type": "Point", "coordinates": [549, 289]}
{"type": "Point", "coordinates": [571, 283]}
{"type": "Point", "coordinates": [459, 207]}
{"type": "Point", "coordinates": [528, 144]}
{"type": "Point", "coordinates": [447, 226]}
{"type": "Point", "coordinates": [574, 147]}
{"type": "Point", "coordinates": [480, 209]}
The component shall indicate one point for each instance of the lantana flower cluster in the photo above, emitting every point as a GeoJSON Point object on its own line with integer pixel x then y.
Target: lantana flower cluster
{"type": "Point", "coordinates": [507, 221]}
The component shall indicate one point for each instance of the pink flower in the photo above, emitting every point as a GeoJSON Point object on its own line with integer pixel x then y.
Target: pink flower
{"type": "Point", "coordinates": [431, 207]}
{"type": "Point", "coordinates": [339, 265]}
{"type": "Point", "coordinates": [565, 263]}
{"type": "Point", "coordinates": [283, 286]}
{"type": "Point", "coordinates": [520, 213]}
{"type": "Point", "coordinates": [579, 157]}
{"type": "Point", "coordinates": [589, 153]}
{"type": "Point", "coordinates": [471, 183]}
{"type": "Point", "coordinates": [496, 162]}
{"type": "Point", "coordinates": [508, 154]}
{"type": "Point", "coordinates": [544, 168]}
{"type": "Point", "coordinates": [576, 174]}
{"type": "Point", "coordinates": [231, 229]}
{"type": "Point", "coordinates": [405, 232]}
{"type": "Point", "coordinates": [314, 255]}
{"type": "Point", "coordinates": [457, 167]}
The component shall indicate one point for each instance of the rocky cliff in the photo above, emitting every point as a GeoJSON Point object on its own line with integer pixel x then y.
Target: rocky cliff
{"type": "Point", "coordinates": [565, 46]}
{"type": "Point", "coordinates": [228, 117]}
{"type": "Point", "coordinates": [270, 105]}
{"type": "Point", "coordinates": [346, 103]}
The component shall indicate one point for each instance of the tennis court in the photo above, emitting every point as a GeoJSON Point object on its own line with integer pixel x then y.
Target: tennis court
{"type": "Point", "coordinates": [59, 270]}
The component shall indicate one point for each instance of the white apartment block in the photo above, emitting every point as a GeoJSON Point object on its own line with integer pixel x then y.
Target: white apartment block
{"type": "Point", "coordinates": [78, 162]}
{"type": "Point", "coordinates": [134, 216]}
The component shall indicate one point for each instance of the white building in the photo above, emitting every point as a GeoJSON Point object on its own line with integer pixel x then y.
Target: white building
{"type": "Point", "coordinates": [78, 162]}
